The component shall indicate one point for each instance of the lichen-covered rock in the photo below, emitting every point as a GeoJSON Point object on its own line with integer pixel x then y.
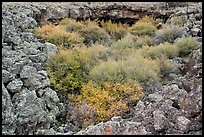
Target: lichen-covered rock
{"type": "Point", "coordinates": [31, 110]}
{"type": "Point", "coordinates": [10, 34]}
{"type": "Point", "coordinates": [46, 132]}
{"type": "Point", "coordinates": [41, 57]}
{"type": "Point", "coordinates": [27, 72]}
{"type": "Point", "coordinates": [23, 73]}
{"type": "Point", "coordinates": [7, 76]}
{"type": "Point", "coordinates": [160, 121]}
{"type": "Point", "coordinates": [15, 85]}
{"type": "Point", "coordinates": [154, 97]}
{"type": "Point", "coordinates": [8, 116]}
{"type": "Point", "coordinates": [75, 13]}
{"type": "Point", "coordinates": [27, 36]}
{"type": "Point", "coordinates": [51, 48]}
{"type": "Point", "coordinates": [182, 123]}
{"type": "Point", "coordinates": [32, 79]}
{"type": "Point", "coordinates": [51, 99]}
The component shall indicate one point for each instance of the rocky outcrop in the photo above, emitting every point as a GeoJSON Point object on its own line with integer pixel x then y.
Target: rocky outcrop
{"type": "Point", "coordinates": [191, 17]}
{"type": "Point", "coordinates": [100, 10]}
{"type": "Point", "coordinates": [30, 106]}
{"type": "Point", "coordinates": [126, 12]}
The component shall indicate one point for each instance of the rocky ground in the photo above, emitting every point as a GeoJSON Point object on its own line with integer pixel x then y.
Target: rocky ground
{"type": "Point", "coordinates": [30, 106]}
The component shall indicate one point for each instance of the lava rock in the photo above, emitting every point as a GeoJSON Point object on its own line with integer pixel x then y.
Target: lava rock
{"type": "Point", "coordinates": [182, 124]}
{"type": "Point", "coordinates": [15, 85]}
{"type": "Point", "coordinates": [160, 121]}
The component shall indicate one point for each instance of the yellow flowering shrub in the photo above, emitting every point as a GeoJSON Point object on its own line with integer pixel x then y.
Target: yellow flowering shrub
{"type": "Point", "coordinates": [106, 100]}
{"type": "Point", "coordinates": [58, 36]}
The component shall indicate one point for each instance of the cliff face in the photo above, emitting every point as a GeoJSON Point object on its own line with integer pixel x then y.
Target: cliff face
{"type": "Point", "coordinates": [30, 106]}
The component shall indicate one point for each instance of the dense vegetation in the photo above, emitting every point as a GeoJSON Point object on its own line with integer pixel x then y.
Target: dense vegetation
{"type": "Point", "coordinates": [103, 70]}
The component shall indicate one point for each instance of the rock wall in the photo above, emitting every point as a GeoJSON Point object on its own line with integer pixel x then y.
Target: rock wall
{"type": "Point", "coordinates": [30, 106]}
{"type": "Point", "coordinates": [126, 12]}
{"type": "Point", "coordinates": [100, 10]}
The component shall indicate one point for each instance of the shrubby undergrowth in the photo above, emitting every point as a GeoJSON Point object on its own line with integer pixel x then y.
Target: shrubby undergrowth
{"type": "Point", "coordinates": [102, 70]}
{"type": "Point", "coordinates": [169, 33]}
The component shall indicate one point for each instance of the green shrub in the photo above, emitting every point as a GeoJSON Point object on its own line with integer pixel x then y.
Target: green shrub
{"type": "Point", "coordinates": [97, 52]}
{"type": "Point", "coordinates": [93, 34]}
{"type": "Point", "coordinates": [127, 42]}
{"type": "Point", "coordinates": [110, 71]}
{"type": "Point", "coordinates": [164, 49]}
{"type": "Point", "coordinates": [66, 71]}
{"type": "Point", "coordinates": [134, 68]}
{"type": "Point", "coordinates": [143, 41]}
{"type": "Point", "coordinates": [71, 25]}
{"type": "Point", "coordinates": [69, 68]}
{"type": "Point", "coordinates": [186, 45]}
{"type": "Point", "coordinates": [169, 33]}
{"type": "Point", "coordinates": [165, 65]}
{"type": "Point", "coordinates": [91, 56]}
{"type": "Point", "coordinates": [117, 31]}
{"type": "Point", "coordinates": [145, 26]}
{"type": "Point", "coordinates": [180, 20]}
{"type": "Point", "coordinates": [131, 41]}
{"type": "Point", "coordinates": [144, 70]}
{"type": "Point", "coordinates": [121, 48]}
